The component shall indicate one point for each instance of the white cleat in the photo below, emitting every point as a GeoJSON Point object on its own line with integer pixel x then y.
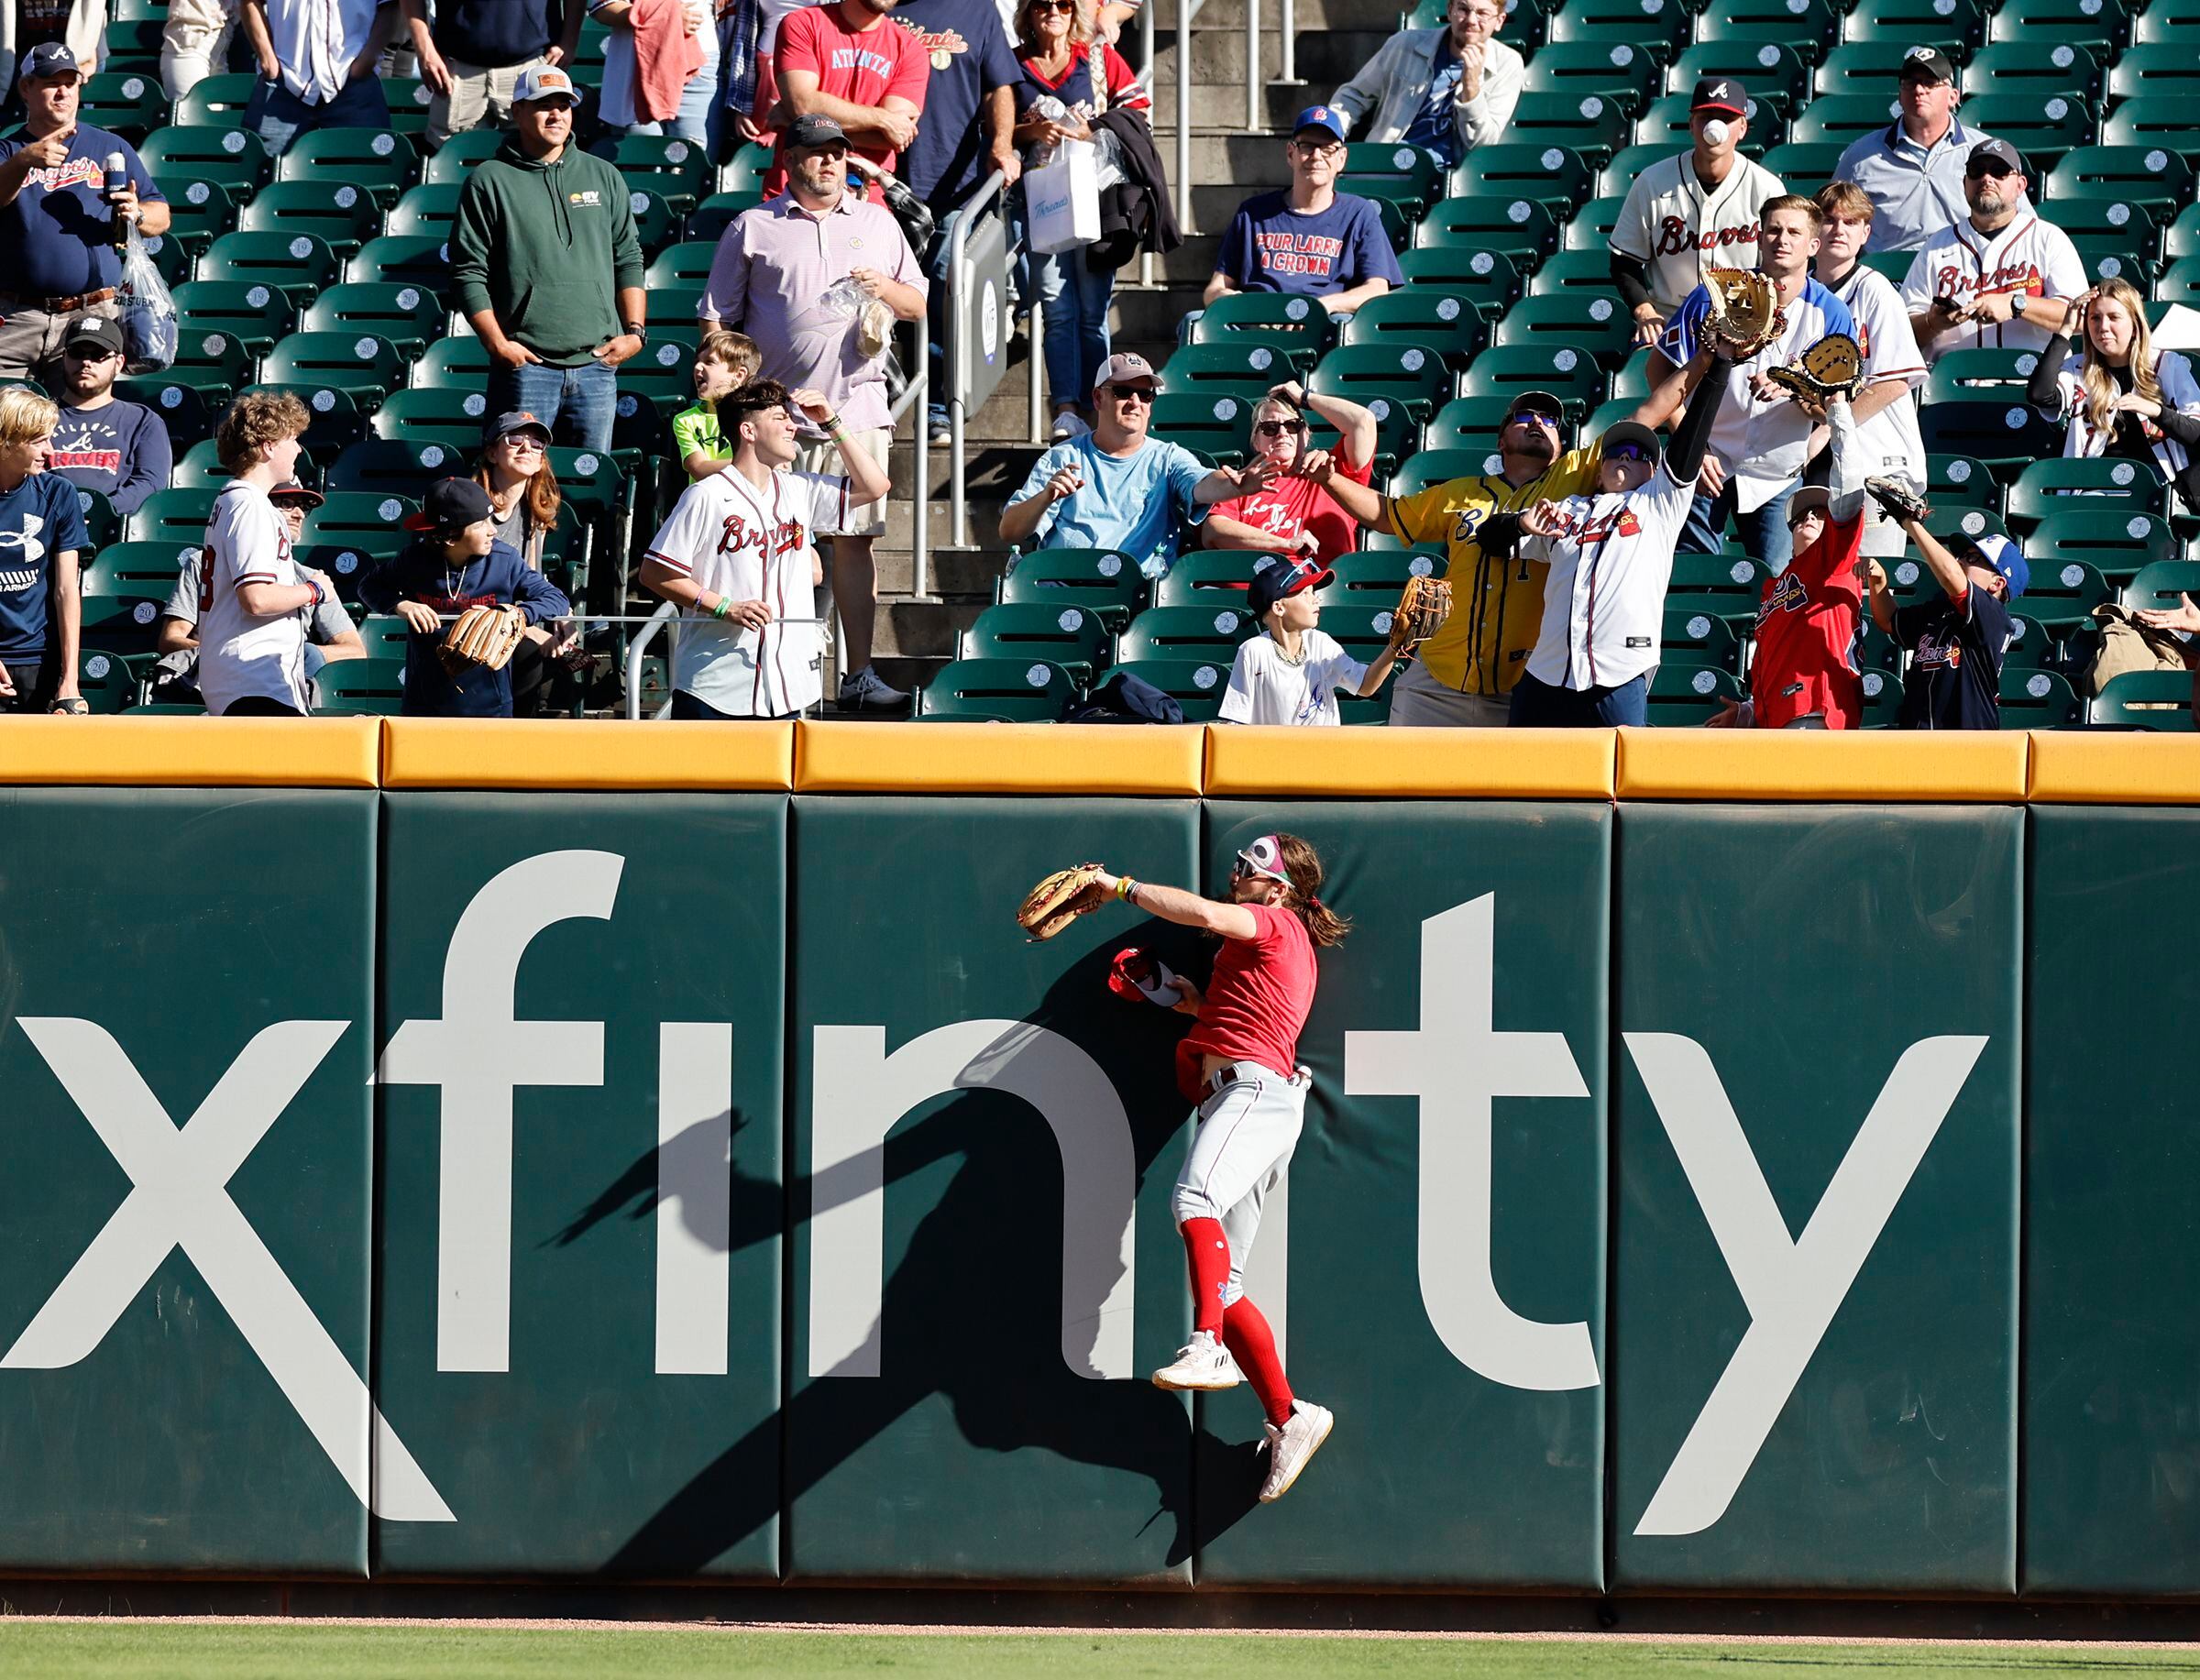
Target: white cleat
{"type": "Point", "coordinates": [1289, 1448]}
{"type": "Point", "coordinates": [1202, 1363]}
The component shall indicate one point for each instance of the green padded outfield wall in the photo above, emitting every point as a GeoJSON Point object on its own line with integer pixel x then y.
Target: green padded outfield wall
{"type": "Point", "coordinates": [183, 1367]}
{"type": "Point", "coordinates": [581, 1195]}
{"type": "Point", "coordinates": [1814, 1324]}
{"type": "Point", "coordinates": [2112, 1349]}
{"type": "Point", "coordinates": [1446, 1252]}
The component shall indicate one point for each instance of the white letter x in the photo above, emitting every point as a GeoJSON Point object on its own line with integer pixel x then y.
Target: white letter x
{"type": "Point", "coordinates": [179, 1198]}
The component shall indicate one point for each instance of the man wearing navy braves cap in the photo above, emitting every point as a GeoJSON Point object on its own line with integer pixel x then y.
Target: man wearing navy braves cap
{"type": "Point", "coordinates": [1309, 239]}
{"type": "Point", "coordinates": [1293, 673]}
{"type": "Point", "coordinates": [1446, 89]}
{"type": "Point", "coordinates": [1956, 638]}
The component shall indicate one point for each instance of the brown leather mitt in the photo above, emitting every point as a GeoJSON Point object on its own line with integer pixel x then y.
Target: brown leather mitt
{"type": "Point", "coordinates": [1060, 899]}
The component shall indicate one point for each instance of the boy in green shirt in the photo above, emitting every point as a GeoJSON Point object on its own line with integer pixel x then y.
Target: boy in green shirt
{"type": "Point", "coordinates": [723, 363]}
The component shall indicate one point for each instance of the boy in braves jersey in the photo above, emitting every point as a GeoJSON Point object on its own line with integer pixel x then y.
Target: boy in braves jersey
{"type": "Point", "coordinates": [1240, 1063]}
{"type": "Point", "coordinates": [2003, 278]}
{"type": "Point", "coordinates": [734, 557]}
{"type": "Point", "coordinates": [1955, 642]}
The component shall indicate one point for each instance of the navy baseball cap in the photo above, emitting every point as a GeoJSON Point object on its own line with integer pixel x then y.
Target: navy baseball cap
{"type": "Point", "coordinates": [515, 420]}
{"type": "Point", "coordinates": [1328, 118]}
{"type": "Point", "coordinates": [1719, 93]}
{"type": "Point", "coordinates": [50, 59]}
{"type": "Point", "coordinates": [1280, 578]}
{"type": "Point", "coordinates": [1998, 149]}
{"type": "Point", "coordinates": [451, 504]}
{"type": "Point", "coordinates": [1997, 553]}
{"type": "Point", "coordinates": [813, 132]}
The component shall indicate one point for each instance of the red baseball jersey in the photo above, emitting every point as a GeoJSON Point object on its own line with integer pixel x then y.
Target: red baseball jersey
{"type": "Point", "coordinates": [863, 68]}
{"type": "Point", "coordinates": [1292, 505]}
{"type": "Point", "coordinates": [1257, 1001]}
{"type": "Point", "coordinates": [1807, 619]}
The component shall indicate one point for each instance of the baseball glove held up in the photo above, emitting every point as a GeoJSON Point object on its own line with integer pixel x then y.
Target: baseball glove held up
{"type": "Point", "coordinates": [1060, 899]}
{"type": "Point", "coordinates": [1420, 613]}
{"type": "Point", "coordinates": [1833, 366]}
{"type": "Point", "coordinates": [483, 636]}
{"type": "Point", "coordinates": [1900, 503]}
{"type": "Point", "coordinates": [1745, 313]}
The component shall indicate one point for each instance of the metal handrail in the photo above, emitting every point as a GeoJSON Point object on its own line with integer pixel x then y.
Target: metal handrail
{"type": "Point", "coordinates": [663, 617]}
{"type": "Point", "coordinates": [958, 375]}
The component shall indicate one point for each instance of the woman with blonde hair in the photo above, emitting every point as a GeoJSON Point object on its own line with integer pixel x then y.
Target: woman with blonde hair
{"type": "Point", "coordinates": [2119, 395]}
{"type": "Point", "coordinates": [524, 501]}
{"type": "Point", "coordinates": [42, 537]}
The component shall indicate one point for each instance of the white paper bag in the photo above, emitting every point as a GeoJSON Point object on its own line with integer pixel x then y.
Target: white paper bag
{"type": "Point", "coordinates": [1063, 199]}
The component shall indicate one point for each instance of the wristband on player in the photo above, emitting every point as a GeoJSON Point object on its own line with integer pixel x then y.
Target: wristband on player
{"type": "Point", "coordinates": [1124, 886]}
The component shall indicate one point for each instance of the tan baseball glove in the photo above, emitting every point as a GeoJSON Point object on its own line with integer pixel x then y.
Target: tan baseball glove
{"type": "Point", "coordinates": [483, 636]}
{"type": "Point", "coordinates": [1420, 613]}
{"type": "Point", "coordinates": [1833, 366]}
{"type": "Point", "coordinates": [1060, 899]}
{"type": "Point", "coordinates": [1744, 314]}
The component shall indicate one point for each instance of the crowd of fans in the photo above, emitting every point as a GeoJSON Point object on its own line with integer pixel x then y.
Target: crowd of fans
{"type": "Point", "coordinates": [1560, 559]}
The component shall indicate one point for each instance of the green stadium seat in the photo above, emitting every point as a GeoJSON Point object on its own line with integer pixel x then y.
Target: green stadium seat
{"type": "Point", "coordinates": [1245, 368]}
{"type": "Point", "coordinates": [449, 164]}
{"type": "Point", "coordinates": [1589, 228]}
{"type": "Point", "coordinates": [1363, 630]}
{"type": "Point", "coordinates": [2100, 27]}
{"type": "Point", "coordinates": [1517, 227]}
{"type": "Point", "coordinates": [1195, 685]}
{"type": "Point", "coordinates": [460, 362]}
{"type": "Point", "coordinates": [1686, 697]}
{"type": "Point", "coordinates": [354, 527]}
{"type": "Point", "coordinates": [1658, 28]}
{"type": "Point", "coordinates": [1868, 68]}
{"type": "Point", "coordinates": [380, 466]}
{"type": "Point", "coordinates": [2154, 71]}
{"type": "Point", "coordinates": [1605, 416]}
{"type": "Point", "coordinates": [216, 101]}
{"type": "Point", "coordinates": [404, 315]}
{"type": "Point", "coordinates": [1809, 27]}
{"type": "Point", "coordinates": [120, 613]}
{"type": "Point", "coordinates": [1417, 472]}
{"type": "Point", "coordinates": [1067, 636]}
{"type": "Point", "coordinates": [1104, 582]}
{"type": "Point", "coordinates": [663, 375]}
{"type": "Point", "coordinates": [2182, 237]}
{"type": "Point", "coordinates": [2113, 237]}
{"type": "Point", "coordinates": [2158, 125]}
{"type": "Point", "coordinates": [298, 265]}
{"type": "Point", "coordinates": [424, 212]}
{"type": "Point", "coordinates": [2159, 700]}
{"type": "Point", "coordinates": [1550, 175]}
{"type": "Point", "coordinates": [1956, 27]}
{"type": "Point", "coordinates": [135, 31]}
{"type": "Point", "coordinates": [359, 689]}
{"type": "Point", "coordinates": [1882, 700]}
{"type": "Point", "coordinates": [252, 312]}
{"type": "Point", "coordinates": [106, 682]}
{"type": "Point", "coordinates": [1573, 273]}
{"type": "Point", "coordinates": [1186, 632]}
{"type": "Point", "coordinates": [1804, 161]}
{"type": "Point", "coordinates": [2159, 586]}
{"type": "Point", "coordinates": [2167, 23]}
{"type": "Point", "coordinates": [1272, 318]}
{"type": "Point", "coordinates": [1435, 320]}
{"type": "Point", "coordinates": [126, 102]}
{"type": "Point", "coordinates": [449, 414]}
{"type": "Point", "coordinates": [1665, 124]}
{"type": "Point", "coordinates": [1393, 170]}
{"type": "Point", "coordinates": [199, 211]}
{"type": "Point", "coordinates": [2036, 700]}
{"type": "Point", "coordinates": [1595, 323]}
{"type": "Point", "coordinates": [1614, 179]}
{"type": "Point", "coordinates": [1962, 478]}
{"type": "Point", "coordinates": [1773, 71]}
{"type": "Point", "coordinates": [2032, 66]}
{"type": "Point", "coordinates": [422, 260]}
{"type": "Point", "coordinates": [1465, 423]}
{"type": "Point", "coordinates": [1569, 372]}
{"type": "Point", "coordinates": [2152, 178]}
{"type": "Point", "coordinates": [747, 170]}
{"type": "Point", "coordinates": [234, 160]}
{"type": "Point", "coordinates": [678, 171]}
{"type": "Point", "coordinates": [2006, 433]}
{"type": "Point", "coordinates": [1409, 377]}
{"type": "Point", "coordinates": [1840, 119]}
{"type": "Point", "coordinates": [1382, 576]}
{"type": "Point", "coordinates": [1894, 265]}
{"type": "Point", "coordinates": [1211, 577]}
{"type": "Point", "coordinates": [1485, 280]}
{"type": "Point", "coordinates": [2042, 126]}
{"type": "Point", "coordinates": [2180, 282]}
{"type": "Point", "coordinates": [1527, 24]}
{"type": "Point", "coordinates": [711, 219]}
{"type": "Point", "coordinates": [1727, 584]}
{"type": "Point", "coordinates": [199, 466]}
{"type": "Point", "coordinates": [340, 215]}
{"type": "Point", "coordinates": [147, 567]}
{"type": "Point", "coordinates": [183, 407]}
{"type": "Point", "coordinates": [1694, 635]}
{"type": "Point", "coordinates": [1588, 125]}
{"type": "Point", "coordinates": [687, 264]}
{"type": "Point", "coordinates": [1966, 374]}
{"type": "Point", "coordinates": [2093, 485]}
{"type": "Point", "coordinates": [1004, 690]}
{"type": "Point", "coordinates": [1585, 69]}
{"type": "Point", "coordinates": [1210, 425]}
{"type": "Point", "coordinates": [385, 636]}
{"type": "Point", "coordinates": [406, 99]}
{"type": "Point", "coordinates": [369, 160]}
{"type": "Point", "coordinates": [657, 223]}
{"type": "Point", "coordinates": [2119, 543]}
{"type": "Point", "coordinates": [173, 518]}
{"type": "Point", "coordinates": [364, 367]}
{"type": "Point", "coordinates": [2064, 595]}
{"type": "Point", "coordinates": [2033, 646]}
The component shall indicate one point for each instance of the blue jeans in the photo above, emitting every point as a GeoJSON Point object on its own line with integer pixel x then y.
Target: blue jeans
{"type": "Point", "coordinates": [280, 116]}
{"type": "Point", "coordinates": [1763, 533]}
{"type": "Point", "coordinates": [1074, 326]}
{"type": "Point", "coordinates": [1538, 706]}
{"type": "Point", "coordinates": [576, 403]}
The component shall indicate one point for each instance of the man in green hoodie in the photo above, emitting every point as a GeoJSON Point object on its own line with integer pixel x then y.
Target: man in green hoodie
{"type": "Point", "coordinates": [549, 268]}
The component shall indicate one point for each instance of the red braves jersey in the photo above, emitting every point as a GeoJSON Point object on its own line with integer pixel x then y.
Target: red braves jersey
{"type": "Point", "coordinates": [1807, 623]}
{"type": "Point", "coordinates": [1292, 505]}
{"type": "Point", "coordinates": [1257, 1001]}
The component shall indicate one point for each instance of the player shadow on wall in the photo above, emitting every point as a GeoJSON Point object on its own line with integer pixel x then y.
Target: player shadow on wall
{"type": "Point", "coordinates": [971, 1316]}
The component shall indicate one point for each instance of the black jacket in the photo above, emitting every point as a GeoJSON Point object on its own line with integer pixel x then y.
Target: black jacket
{"type": "Point", "coordinates": [1135, 211]}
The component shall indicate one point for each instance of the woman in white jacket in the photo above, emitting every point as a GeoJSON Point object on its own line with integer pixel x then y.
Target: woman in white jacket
{"type": "Point", "coordinates": [2121, 396]}
{"type": "Point", "coordinates": [1447, 90]}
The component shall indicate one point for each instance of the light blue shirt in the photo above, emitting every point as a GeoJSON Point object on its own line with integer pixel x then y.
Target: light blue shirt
{"type": "Point", "coordinates": [1139, 504]}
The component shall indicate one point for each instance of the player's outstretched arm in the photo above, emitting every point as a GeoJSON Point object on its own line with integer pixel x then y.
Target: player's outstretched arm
{"type": "Point", "coordinates": [1172, 903]}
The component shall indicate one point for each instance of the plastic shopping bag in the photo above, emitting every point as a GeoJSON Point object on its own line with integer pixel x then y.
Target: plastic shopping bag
{"type": "Point", "coordinates": [150, 330]}
{"type": "Point", "coordinates": [1063, 199]}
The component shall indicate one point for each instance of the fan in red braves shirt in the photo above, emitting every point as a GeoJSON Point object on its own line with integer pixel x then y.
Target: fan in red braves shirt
{"type": "Point", "coordinates": [1294, 514]}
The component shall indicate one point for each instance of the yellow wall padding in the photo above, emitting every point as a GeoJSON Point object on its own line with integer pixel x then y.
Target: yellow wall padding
{"type": "Point", "coordinates": [569, 752]}
{"type": "Point", "coordinates": [2109, 767]}
{"type": "Point", "coordinates": [999, 758]}
{"type": "Point", "coordinates": [1411, 763]}
{"type": "Point", "coordinates": [158, 751]}
{"type": "Point", "coordinates": [1874, 768]}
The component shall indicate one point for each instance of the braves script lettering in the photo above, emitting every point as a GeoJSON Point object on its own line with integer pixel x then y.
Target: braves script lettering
{"type": "Point", "coordinates": [1675, 235]}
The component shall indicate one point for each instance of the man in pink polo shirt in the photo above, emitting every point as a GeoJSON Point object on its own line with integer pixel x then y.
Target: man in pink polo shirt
{"type": "Point", "coordinates": [775, 269]}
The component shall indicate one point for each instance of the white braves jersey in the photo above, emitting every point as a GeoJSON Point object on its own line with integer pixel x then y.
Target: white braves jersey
{"type": "Point", "coordinates": [1603, 604]}
{"type": "Point", "coordinates": [1888, 442]}
{"type": "Point", "coordinates": [1265, 687]}
{"type": "Point", "coordinates": [2028, 255]}
{"type": "Point", "coordinates": [242, 656]}
{"type": "Point", "coordinates": [1680, 227]}
{"type": "Point", "coordinates": [732, 539]}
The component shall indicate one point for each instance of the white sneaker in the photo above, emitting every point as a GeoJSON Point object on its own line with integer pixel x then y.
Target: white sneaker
{"type": "Point", "coordinates": [1289, 1448]}
{"type": "Point", "coordinates": [1202, 1363]}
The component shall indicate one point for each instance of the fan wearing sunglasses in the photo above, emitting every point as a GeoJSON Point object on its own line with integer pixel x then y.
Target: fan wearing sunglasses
{"type": "Point", "coordinates": [2003, 278]}
{"type": "Point", "coordinates": [1296, 515]}
{"type": "Point", "coordinates": [1240, 1064]}
{"type": "Point", "coordinates": [1610, 555]}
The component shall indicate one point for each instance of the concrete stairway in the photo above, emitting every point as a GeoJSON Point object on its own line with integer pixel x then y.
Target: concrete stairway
{"type": "Point", "coordinates": [1334, 39]}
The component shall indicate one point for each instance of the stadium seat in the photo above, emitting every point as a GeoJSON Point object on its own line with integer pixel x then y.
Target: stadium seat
{"type": "Point", "coordinates": [341, 216]}
{"type": "Point", "coordinates": [1466, 423]}
{"type": "Point", "coordinates": [367, 159]}
{"type": "Point", "coordinates": [1594, 323]}
{"type": "Point", "coordinates": [1382, 576]}
{"type": "Point", "coordinates": [181, 406]}
{"type": "Point", "coordinates": [1969, 373]}
{"type": "Point", "coordinates": [1214, 577]}
{"type": "Point", "coordinates": [1962, 480]}
{"type": "Point", "coordinates": [1010, 690]}
{"type": "Point", "coordinates": [1590, 227]}
{"type": "Point", "coordinates": [1242, 368]}
{"type": "Point", "coordinates": [212, 363]}
{"type": "Point", "coordinates": [1548, 175]}
{"type": "Point", "coordinates": [2167, 23]}
{"type": "Point", "coordinates": [1516, 226]}
{"type": "Point", "coordinates": [415, 259]}
{"type": "Point", "coordinates": [1837, 119]}
{"type": "Point", "coordinates": [250, 312]}
{"type": "Point", "coordinates": [448, 415]}
{"type": "Point", "coordinates": [127, 102]}
{"type": "Point", "coordinates": [1809, 27]}
{"type": "Point", "coordinates": [1882, 700]}
{"type": "Point", "coordinates": [2006, 434]}
{"type": "Point", "coordinates": [1485, 280]}
{"type": "Point", "coordinates": [1567, 372]}
{"type": "Point", "coordinates": [2032, 66]}
{"type": "Point", "coordinates": [1956, 27]}
{"type": "Point", "coordinates": [173, 518]}
{"type": "Point", "coordinates": [380, 466]}
{"type": "Point", "coordinates": [121, 612]}
{"type": "Point", "coordinates": [2117, 542]}
{"type": "Point", "coordinates": [1195, 685]}
{"type": "Point", "coordinates": [1417, 472]}
{"type": "Point", "coordinates": [1409, 377]}
{"type": "Point", "coordinates": [2155, 125]}
{"type": "Point", "coordinates": [1588, 125]}
{"type": "Point", "coordinates": [2160, 584]}
{"type": "Point", "coordinates": [199, 210]}
{"type": "Point", "coordinates": [2032, 698]}
{"type": "Point", "coordinates": [2097, 486]}
{"type": "Point", "coordinates": [2147, 701]}
{"type": "Point", "coordinates": [1419, 316]}
{"type": "Point", "coordinates": [1584, 69]}
{"type": "Point", "coordinates": [657, 224]}
{"type": "Point", "coordinates": [1273, 318]}
{"type": "Point", "coordinates": [1573, 271]}
{"type": "Point", "coordinates": [2180, 282]}
{"type": "Point", "coordinates": [676, 170]}
{"type": "Point", "coordinates": [359, 689]}
{"type": "Point", "coordinates": [2154, 177]}
{"type": "Point", "coordinates": [106, 682]}
{"type": "Point", "coordinates": [2064, 594]}
{"type": "Point", "coordinates": [1689, 696]}
{"type": "Point", "coordinates": [423, 212]}
{"type": "Point", "coordinates": [1804, 161]}
{"type": "Point", "coordinates": [1104, 582]}
{"type": "Point", "coordinates": [1186, 632]}
{"type": "Point", "coordinates": [406, 99]}
{"type": "Point", "coordinates": [1694, 635]}
{"type": "Point", "coordinates": [1861, 66]}
{"type": "Point", "coordinates": [711, 219]}
{"type": "Point", "coordinates": [234, 160]}
{"type": "Point", "coordinates": [1210, 425]}
{"type": "Point", "coordinates": [362, 366]}
{"type": "Point", "coordinates": [1727, 585]}
{"type": "Point", "coordinates": [2043, 127]}
{"type": "Point", "coordinates": [1658, 28]}
{"type": "Point", "coordinates": [217, 102]}
{"type": "Point", "coordinates": [297, 265]}
{"type": "Point", "coordinates": [147, 567]}
{"type": "Point", "coordinates": [133, 43]}
{"type": "Point", "coordinates": [460, 362]}
{"type": "Point", "coordinates": [449, 164]}
{"type": "Point", "coordinates": [1067, 636]}
{"type": "Point", "coordinates": [1773, 71]}
{"type": "Point", "coordinates": [1618, 175]}
{"type": "Point", "coordinates": [2099, 27]}
{"type": "Point", "coordinates": [405, 317]}
{"type": "Point", "coordinates": [1404, 174]}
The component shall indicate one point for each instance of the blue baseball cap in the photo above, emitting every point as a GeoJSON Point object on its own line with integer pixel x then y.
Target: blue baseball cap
{"type": "Point", "coordinates": [1279, 578]}
{"type": "Point", "coordinates": [1328, 118]}
{"type": "Point", "coordinates": [1997, 553]}
{"type": "Point", "coordinates": [50, 59]}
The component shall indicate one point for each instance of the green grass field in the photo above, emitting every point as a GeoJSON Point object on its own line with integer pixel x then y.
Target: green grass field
{"type": "Point", "coordinates": [189, 1651]}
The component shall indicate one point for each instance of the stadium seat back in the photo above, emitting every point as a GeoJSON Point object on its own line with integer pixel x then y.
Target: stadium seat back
{"type": "Point", "coordinates": [2152, 175]}
{"type": "Point", "coordinates": [2065, 592]}
{"type": "Point", "coordinates": [1212, 577]}
{"type": "Point", "coordinates": [1550, 175]}
{"type": "Point", "coordinates": [1382, 576]}
{"type": "Point", "coordinates": [424, 212]}
{"type": "Point", "coordinates": [2042, 125]}
{"type": "Point", "coordinates": [1870, 68]}
{"type": "Point", "coordinates": [370, 521]}
{"type": "Point", "coordinates": [228, 155]}
{"type": "Point", "coordinates": [1665, 124]}
{"type": "Point", "coordinates": [2100, 27]}
{"type": "Point", "coordinates": [2117, 542]}
{"type": "Point", "coordinates": [1956, 27]}
{"type": "Point", "coordinates": [1420, 315]}
{"type": "Point", "coordinates": [1773, 71]}
{"type": "Point", "coordinates": [1569, 372]}
{"type": "Point", "coordinates": [2033, 699]}
{"type": "Point", "coordinates": [2159, 700]}
{"type": "Point", "coordinates": [2005, 434]}
{"type": "Point", "coordinates": [711, 219]}
{"type": "Point", "coordinates": [1017, 690]}
{"type": "Point", "coordinates": [1201, 631]}
{"type": "Point", "coordinates": [1595, 323]}
{"type": "Point", "coordinates": [1103, 582]}
{"type": "Point", "coordinates": [341, 215]}
{"type": "Point", "coordinates": [1587, 273]}
{"type": "Point", "coordinates": [1804, 161]}
{"type": "Point", "coordinates": [1838, 119]}
{"type": "Point", "coordinates": [1407, 376]}
{"type": "Point", "coordinates": [176, 519]}
{"type": "Point", "coordinates": [449, 164]}
{"type": "Point", "coordinates": [449, 414]}
{"type": "Point", "coordinates": [2158, 586]}
{"type": "Point", "coordinates": [1488, 280]}
{"type": "Point", "coordinates": [1687, 695]}
{"type": "Point", "coordinates": [1237, 365]}
{"type": "Point", "coordinates": [2167, 23]}
{"type": "Point", "coordinates": [2101, 486]}
{"type": "Point", "coordinates": [1614, 179]}
{"type": "Point", "coordinates": [217, 102]}
{"type": "Point", "coordinates": [2031, 67]}
{"type": "Point", "coordinates": [125, 102]}
{"type": "Point", "coordinates": [415, 259]}
{"type": "Point", "coordinates": [364, 367]}
{"type": "Point", "coordinates": [1069, 636]}
{"type": "Point", "coordinates": [360, 688]}
{"type": "Point", "coordinates": [297, 265]}
{"type": "Point", "coordinates": [1418, 471]}
{"type": "Point", "coordinates": [1588, 125]}
{"type": "Point", "coordinates": [383, 467]}
{"type": "Point", "coordinates": [405, 316]}
{"type": "Point", "coordinates": [1514, 225]}
{"type": "Point", "coordinates": [1694, 635]}
{"type": "Point", "coordinates": [1210, 423]}
{"type": "Point", "coordinates": [678, 171]}
{"type": "Point", "coordinates": [369, 160]}
{"type": "Point", "coordinates": [1658, 28]}
{"type": "Point", "coordinates": [1620, 75]}
{"type": "Point", "coordinates": [1590, 227]}
{"type": "Point", "coordinates": [1197, 686]}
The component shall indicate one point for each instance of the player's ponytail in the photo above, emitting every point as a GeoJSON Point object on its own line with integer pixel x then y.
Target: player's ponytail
{"type": "Point", "coordinates": [1303, 865]}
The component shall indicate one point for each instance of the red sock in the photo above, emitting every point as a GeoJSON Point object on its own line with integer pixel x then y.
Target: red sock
{"type": "Point", "coordinates": [1246, 1333]}
{"type": "Point", "coordinates": [1209, 1252]}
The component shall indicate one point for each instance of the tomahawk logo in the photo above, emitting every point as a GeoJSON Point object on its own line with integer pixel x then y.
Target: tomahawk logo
{"type": "Point", "coordinates": [1457, 1063]}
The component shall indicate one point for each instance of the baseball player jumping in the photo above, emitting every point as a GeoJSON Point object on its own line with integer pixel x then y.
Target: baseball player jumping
{"type": "Point", "coordinates": [1252, 1103]}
